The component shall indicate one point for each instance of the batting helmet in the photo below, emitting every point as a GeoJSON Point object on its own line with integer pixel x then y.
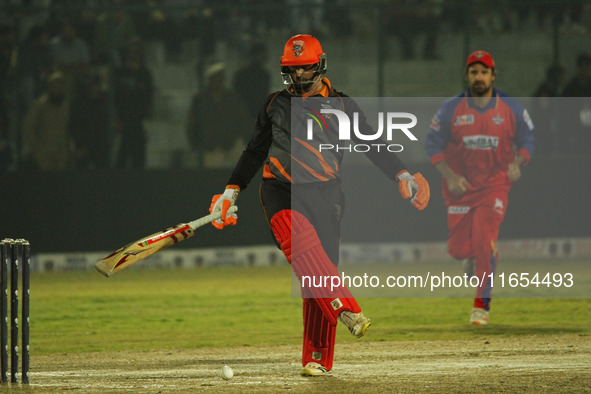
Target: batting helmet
{"type": "Point", "coordinates": [302, 50]}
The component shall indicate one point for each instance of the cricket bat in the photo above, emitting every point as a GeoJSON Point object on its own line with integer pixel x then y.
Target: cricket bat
{"type": "Point", "coordinates": [142, 248]}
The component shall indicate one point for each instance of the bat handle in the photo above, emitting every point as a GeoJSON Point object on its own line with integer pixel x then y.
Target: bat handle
{"type": "Point", "coordinates": [210, 218]}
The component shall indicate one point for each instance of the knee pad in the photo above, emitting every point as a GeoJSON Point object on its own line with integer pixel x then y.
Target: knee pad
{"type": "Point", "coordinates": [315, 271]}
{"type": "Point", "coordinates": [281, 227]}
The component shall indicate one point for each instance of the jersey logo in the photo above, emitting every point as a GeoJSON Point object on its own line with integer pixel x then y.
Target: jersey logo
{"type": "Point", "coordinates": [483, 142]}
{"type": "Point", "coordinates": [327, 106]}
{"type": "Point", "coordinates": [457, 210]}
{"type": "Point", "coordinates": [435, 123]}
{"type": "Point", "coordinates": [336, 304]}
{"type": "Point", "coordinates": [497, 120]}
{"type": "Point", "coordinates": [499, 206]}
{"type": "Point", "coordinates": [464, 120]}
{"type": "Point", "coordinates": [528, 120]}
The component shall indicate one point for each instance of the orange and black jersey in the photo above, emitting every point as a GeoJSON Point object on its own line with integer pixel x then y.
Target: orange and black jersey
{"type": "Point", "coordinates": [290, 157]}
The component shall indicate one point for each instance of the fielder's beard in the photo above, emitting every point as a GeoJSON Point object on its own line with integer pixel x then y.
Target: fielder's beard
{"type": "Point", "coordinates": [480, 89]}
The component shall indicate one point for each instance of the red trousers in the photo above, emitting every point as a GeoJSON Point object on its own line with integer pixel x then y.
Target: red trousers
{"type": "Point", "coordinates": [473, 222]}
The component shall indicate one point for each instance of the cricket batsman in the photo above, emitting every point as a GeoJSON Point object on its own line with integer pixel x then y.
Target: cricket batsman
{"type": "Point", "coordinates": [301, 194]}
{"type": "Point", "coordinates": [479, 140]}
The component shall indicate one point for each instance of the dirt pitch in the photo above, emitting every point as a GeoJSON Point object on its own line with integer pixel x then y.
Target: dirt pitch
{"type": "Point", "coordinates": [512, 364]}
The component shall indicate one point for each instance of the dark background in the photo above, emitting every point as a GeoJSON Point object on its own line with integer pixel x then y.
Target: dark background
{"type": "Point", "coordinates": [89, 211]}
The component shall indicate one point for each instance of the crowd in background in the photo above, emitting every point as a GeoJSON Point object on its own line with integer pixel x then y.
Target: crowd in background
{"type": "Point", "coordinates": [75, 87]}
{"type": "Point", "coordinates": [564, 125]}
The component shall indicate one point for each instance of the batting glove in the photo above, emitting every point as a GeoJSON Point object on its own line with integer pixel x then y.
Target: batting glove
{"type": "Point", "coordinates": [223, 202]}
{"type": "Point", "coordinates": [416, 188]}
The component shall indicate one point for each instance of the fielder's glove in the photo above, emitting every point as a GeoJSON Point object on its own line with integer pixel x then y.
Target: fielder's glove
{"type": "Point", "coordinates": [221, 203]}
{"type": "Point", "coordinates": [416, 188]}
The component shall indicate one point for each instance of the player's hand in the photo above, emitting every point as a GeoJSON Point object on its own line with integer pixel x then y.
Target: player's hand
{"type": "Point", "coordinates": [223, 202]}
{"type": "Point", "coordinates": [457, 184]}
{"type": "Point", "coordinates": [416, 188]}
{"type": "Point", "coordinates": [514, 172]}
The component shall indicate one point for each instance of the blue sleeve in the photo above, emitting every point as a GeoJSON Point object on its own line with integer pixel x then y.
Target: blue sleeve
{"type": "Point", "coordinates": [440, 129]}
{"type": "Point", "coordinates": [524, 128]}
{"type": "Point", "coordinates": [524, 133]}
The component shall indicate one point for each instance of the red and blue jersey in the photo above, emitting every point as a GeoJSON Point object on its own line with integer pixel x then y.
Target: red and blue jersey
{"type": "Point", "coordinates": [480, 143]}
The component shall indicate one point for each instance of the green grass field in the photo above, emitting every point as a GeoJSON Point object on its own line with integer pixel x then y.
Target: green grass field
{"type": "Point", "coordinates": [80, 312]}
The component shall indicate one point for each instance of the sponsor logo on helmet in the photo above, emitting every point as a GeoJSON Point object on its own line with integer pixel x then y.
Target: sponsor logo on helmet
{"type": "Point", "coordinates": [297, 48]}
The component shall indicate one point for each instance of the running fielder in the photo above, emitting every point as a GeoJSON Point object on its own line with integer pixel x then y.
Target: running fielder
{"type": "Point", "coordinates": [479, 140]}
{"type": "Point", "coordinates": [302, 198]}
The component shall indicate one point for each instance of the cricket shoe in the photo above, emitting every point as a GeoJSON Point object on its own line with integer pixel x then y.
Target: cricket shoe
{"type": "Point", "coordinates": [479, 317]}
{"type": "Point", "coordinates": [355, 322]}
{"type": "Point", "coordinates": [468, 267]}
{"type": "Point", "coordinates": [314, 369]}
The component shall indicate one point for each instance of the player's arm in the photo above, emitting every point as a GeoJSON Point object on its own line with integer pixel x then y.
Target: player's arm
{"type": "Point", "coordinates": [514, 168]}
{"type": "Point", "coordinates": [456, 183]}
{"type": "Point", "coordinates": [437, 139]}
{"type": "Point", "coordinates": [524, 143]}
{"type": "Point", "coordinates": [248, 165]}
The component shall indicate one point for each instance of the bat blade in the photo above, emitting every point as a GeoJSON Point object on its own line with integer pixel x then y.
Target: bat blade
{"type": "Point", "coordinates": [142, 248]}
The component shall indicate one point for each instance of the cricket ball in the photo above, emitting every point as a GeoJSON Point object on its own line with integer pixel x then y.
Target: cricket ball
{"type": "Point", "coordinates": [226, 373]}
